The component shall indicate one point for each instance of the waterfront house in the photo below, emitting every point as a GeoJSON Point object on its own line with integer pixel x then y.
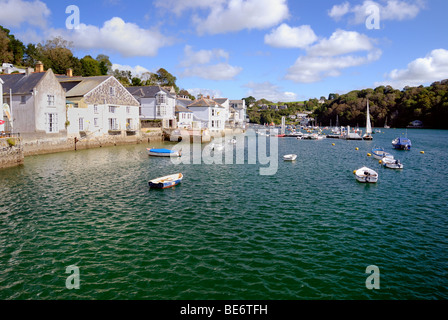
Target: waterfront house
{"type": "Point", "coordinates": [184, 117]}
{"type": "Point", "coordinates": [208, 114]}
{"type": "Point", "coordinates": [226, 104]}
{"type": "Point", "coordinates": [156, 104]}
{"type": "Point", "coordinates": [99, 106]}
{"type": "Point", "coordinates": [240, 107]}
{"type": "Point", "coordinates": [37, 103]}
{"type": "Point", "coordinates": [2, 118]}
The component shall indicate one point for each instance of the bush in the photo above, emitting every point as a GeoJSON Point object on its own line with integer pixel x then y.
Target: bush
{"type": "Point", "coordinates": [11, 142]}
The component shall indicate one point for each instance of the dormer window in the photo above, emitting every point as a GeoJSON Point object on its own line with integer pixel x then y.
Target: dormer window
{"type": "Point", "coordinates": [161, 98]}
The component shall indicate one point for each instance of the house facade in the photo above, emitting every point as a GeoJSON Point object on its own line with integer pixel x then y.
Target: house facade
{"type": "Point", "coordinates": [38, 104]}
{"type": "Point", "coordinates": [99, 106]}
{"type": "Point", "coordinates": [2, 121]}
{"type": "Point", "coordinates": [184, 117]}
{"type": "Point", "coordinates": [208, 114]}
{"type": "Point", "coordinates": [240, 107]}
{"type": "Point", "coordinates": [156, 103]}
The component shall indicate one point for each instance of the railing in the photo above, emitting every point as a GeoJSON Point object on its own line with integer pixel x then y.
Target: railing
{"type": "Point", "coordinates": [9, 135]}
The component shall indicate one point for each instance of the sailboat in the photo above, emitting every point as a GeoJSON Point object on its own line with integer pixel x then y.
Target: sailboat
{"type": "Point", "coordinates": [368, 134]}
{"type": "Point", "coordinates": [385, 125]}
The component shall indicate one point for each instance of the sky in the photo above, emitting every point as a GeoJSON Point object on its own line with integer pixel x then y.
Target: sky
{"type": "Point", "coordinates": [274, 49]}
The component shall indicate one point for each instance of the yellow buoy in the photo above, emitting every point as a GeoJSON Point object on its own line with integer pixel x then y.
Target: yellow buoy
{"type": "Point", "coordinates": [354, 171]}
{"type": "Point", "coordinates": [422, 152]}
{"type": "Point", "coordinates": [356, 148]}
{"type": "Point", "coordinates": [380, 162]}
{"type": "Point", "coordinates": [369, 155]}
{"type": "Point", "coordinates": [333, 144]}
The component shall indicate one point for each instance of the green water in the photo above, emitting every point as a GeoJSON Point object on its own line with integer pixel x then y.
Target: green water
{"type": "Point", "coordinates": [307, 232]}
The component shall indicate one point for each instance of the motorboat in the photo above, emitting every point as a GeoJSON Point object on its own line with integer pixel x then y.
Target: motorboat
{"type": "Point", "coordinates": [392, 163]}
{"type": "Point", "coordinates": [402, 143]}
{"type": "Point", "coordinates": [366, 175]}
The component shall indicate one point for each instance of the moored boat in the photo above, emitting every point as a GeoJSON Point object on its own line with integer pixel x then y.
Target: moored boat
{"type": "Point", "coordinates": [368, 134]}
{"type": "Point", "coordinates": [366, 175]}
{"type": "Point", "coordinates": [166, 182]}
{"type": "Point", "coordinates": [290, 157]}
{"type": "Point", "coordinates": [392, 163]}
{"type": "Point", "coordinates": [402, 143]}
{"type": "Point", "coordinates": [163, 152]}
{"type": "Point", "coordinates": [379, 153]}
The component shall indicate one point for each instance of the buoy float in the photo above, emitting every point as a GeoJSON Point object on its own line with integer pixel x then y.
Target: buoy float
{"type": "Point", "coordinates": [356, 148]}
{"type": "Point", "coordinates": [354, 171]}
{"type": "Point", "coordinates": [369, 155]}
{"type": "Point", "coordinates": [380, 162]}
{"type": "Point", "coordinates": [422, 152]}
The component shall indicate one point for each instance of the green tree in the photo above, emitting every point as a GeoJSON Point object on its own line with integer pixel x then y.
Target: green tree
{"type": "Point", "coordinates": [56, 54]}
{"type": "Point", "coordinates": [90, 67]}
{"type": "Point", "coordinates": [6, 55]}
{"type": "Point", "coordinates": [104, 64]}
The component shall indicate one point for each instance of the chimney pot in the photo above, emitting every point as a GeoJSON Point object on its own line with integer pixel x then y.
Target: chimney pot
{"type": "Point", "coordinates": [70, 72]}
{"type": "Point", "coordinates": [39, 67]}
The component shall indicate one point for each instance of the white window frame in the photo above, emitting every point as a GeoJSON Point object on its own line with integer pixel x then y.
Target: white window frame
{"type": "Point", "coordinates": [113, 124]}
{"type": "Point", "coordinates": [112, 109]}
{"type": "Point", "coordinates": [95, 109]}
{"type": "Point", "coordinates": [96, 122]}
{"type": "Point", "coordinates": [81, 124]}
{"type": "Point", "coordinates": [51, 122]}
{"type": "Point", "coordinates": [50, 100]}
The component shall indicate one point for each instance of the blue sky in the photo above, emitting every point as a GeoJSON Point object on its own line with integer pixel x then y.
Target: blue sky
{"type": "Point", "coordinates": [275, 49]}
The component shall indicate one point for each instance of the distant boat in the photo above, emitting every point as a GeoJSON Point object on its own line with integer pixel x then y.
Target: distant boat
{"type": "Point", "coordinates": [366, 175]}
{"type": "Point", "coordinates": [392, 163]}
{"type": "Point", "coordinates": [290, 157]}
{"type": "Point", "coordinates": [163, 153]}
{"type": "Point", "coordinates": [166, 182]}
{"type": "Point", "coordinates": [402, 143]}
{"type": "Point", "coordinates": [368, 134]}
{"type": "Point", "coordinates": [385, 125]}
{"type": "Point", "coordinates": [379, 153]}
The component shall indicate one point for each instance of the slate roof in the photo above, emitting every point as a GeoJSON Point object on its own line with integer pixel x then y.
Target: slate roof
{"type": "Point", "coordinates": [147, 91]}
{"type": "Point", "coordinates": [182, 109]}
{"type": "Point", "coordinates": [20, 83]}
{"type": "Point", "coordinates": [79, 86]}
{"type": "Point", "coordinates": [203, 102]}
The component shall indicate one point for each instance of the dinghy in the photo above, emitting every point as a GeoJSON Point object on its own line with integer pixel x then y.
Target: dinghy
{"type": "Point", "coordinates": [163, 153]}
{"type": "Point", "coordinates": [379, 153]}
{"type": "Point", "coordinates": [166, 182]}
{"type": "Point", "coordinates": [290, 157]}
{"type": "Point", "coordinates": [366, 175]}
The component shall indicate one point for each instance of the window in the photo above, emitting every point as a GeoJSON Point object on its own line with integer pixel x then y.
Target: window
{"type": "Point", "coordinates": [113, 124]}
{"type": "Point", "coordinates": [129, 124]}
{"type": "Point", "coordinates": [112, 91]}
{"type": "Point", "coordinates": [213, 112]}
{"type": "Point", "coordinates": [81, 124]}
{"type": "Point", "coordinates": [50, 99]}
{"type": "Point", "coordinates": [161, 98]}
{"type": "Point", "coordinates": [95, 109]}
{"type": "Point", "coordinates": [213, 123]}
{"type": "Point", "coordinates": [128, 110]}
{"type": "Point", "coordinates": [160, 111]}
{"type": "Point", "coordinates": [96, 122]}
{"type": "Point", "coordinates": [22, 99]}
{"type": "Point", "coordinates": [112, 109]}
{"type": "Point", "coordinates": [51, 120]}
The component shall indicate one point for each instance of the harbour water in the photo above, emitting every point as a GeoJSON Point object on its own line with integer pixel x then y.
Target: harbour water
{"type": "Point", "coordinates": [227, 232]}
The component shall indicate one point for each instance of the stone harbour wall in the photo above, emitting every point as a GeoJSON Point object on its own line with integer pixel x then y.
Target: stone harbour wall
{"type": "Point", "coordinates": [10, 155]}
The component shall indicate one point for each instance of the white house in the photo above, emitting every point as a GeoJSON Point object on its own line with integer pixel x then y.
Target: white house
{"type": "Point", "coordinates": [209, 114]}
{"type": "Point", "coordinates": [156, 103]}
{"type": "Point", "coordinates": [2, 125]}
{"type": "Point", "coordinates": [184, 117]}
{"type": "Point", "coordinates": [240, 107]}
{"type": "Point", "coordinates": [99, 106]}
{"type": "Point", "coordinates": [38, 104]}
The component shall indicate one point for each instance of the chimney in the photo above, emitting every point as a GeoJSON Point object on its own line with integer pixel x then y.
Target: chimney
{"type": "Point", "coordinates": [70, 72]}
{"type": "Point", "coordinates": [39, 67]}
{"type": "Point", "coordinates": [29, 71]}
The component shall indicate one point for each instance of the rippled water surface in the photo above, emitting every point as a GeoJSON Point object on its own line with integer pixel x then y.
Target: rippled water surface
{"type": "Point", "coordinates": [307, 232]}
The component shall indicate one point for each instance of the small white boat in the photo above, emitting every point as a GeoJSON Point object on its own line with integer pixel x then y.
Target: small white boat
{"type": "Point", "coordinates": [164, 153]}
{"type": "Point", "coordinates": [366, 175]}
{"type": "Point", "coordinates": [166, 182]}
{"type": "Point", "coordinates": [392, 163]}
{"type": "Point", "coordinates": [290, 157]}
{"type": "Point", "coordinates": [379, 153]}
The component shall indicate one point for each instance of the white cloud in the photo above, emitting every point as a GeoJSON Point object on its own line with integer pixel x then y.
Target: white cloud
{"type": "Point", "coordinates": [14, 13]}
{"type": "Point", "coordinates": [116, 35]}
{"type": "Point", "coordinates": [205, 92]}
{"type": "Point", "coordinates": [285, 36]}
{"type": "Point", "coordinates": [341, 42]}
{"type": "Point", "coordinates": [179, 6]}
{"type": "Point", "coordinates": [269, 92]}
{"type": "Point", "coordinates": [433, 67]}
{"type": "Point", "coordinates": [392, 10]}
{"type": "Point", "coordinates": [207, 64]}
{"type": "Point", "coordinates": [135, 71]}
{"type": "Point", "coordinates": [330, 56]}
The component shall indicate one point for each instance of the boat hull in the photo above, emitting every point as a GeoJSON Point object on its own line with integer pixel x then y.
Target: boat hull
{"type": "Point", "coordinates": [290, 157]}
{"type": "Point", "coordinates": [166, 182]}
{"type": "Point", "coordinates": [392, 164]}
{"type": "Point", "coordinates": [402, 144]}
{"type": "Point", "coordinates": [366, 175]}
{"type": "Point", "coordinates": [163, 153]}
{"type": "Point", "coordinates": [380, 154]}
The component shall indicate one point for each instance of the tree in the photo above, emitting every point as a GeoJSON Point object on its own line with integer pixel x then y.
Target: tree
{"type": "Point", "coordinates": [249, 100]}
{"type": "Point", "coordinates": [104, 64]}
{"type": "Point", "coordinates": [31, 55]}
{"type": "Point", "coordinates": [166, 79]}
{"type": "Point", "coordinates": [90, 67]}
{"type": "Point", "coordinates": [6, 54]}
{"type": "Point", "coordinates": [56, 54]}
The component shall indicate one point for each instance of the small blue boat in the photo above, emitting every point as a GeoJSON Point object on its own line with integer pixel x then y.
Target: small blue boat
{"type": "Point", "coordinates": [166, 182]}
{"type": "Point", "coordinates": [379, 153]}
{"type": "Point", "coordinates": [402, 143]}
{"type": "Point", "coordinates": [163, 153]}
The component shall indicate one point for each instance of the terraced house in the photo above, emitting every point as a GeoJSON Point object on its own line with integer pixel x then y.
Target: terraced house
{"type": "Point", "coordinates": [99, 106]}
